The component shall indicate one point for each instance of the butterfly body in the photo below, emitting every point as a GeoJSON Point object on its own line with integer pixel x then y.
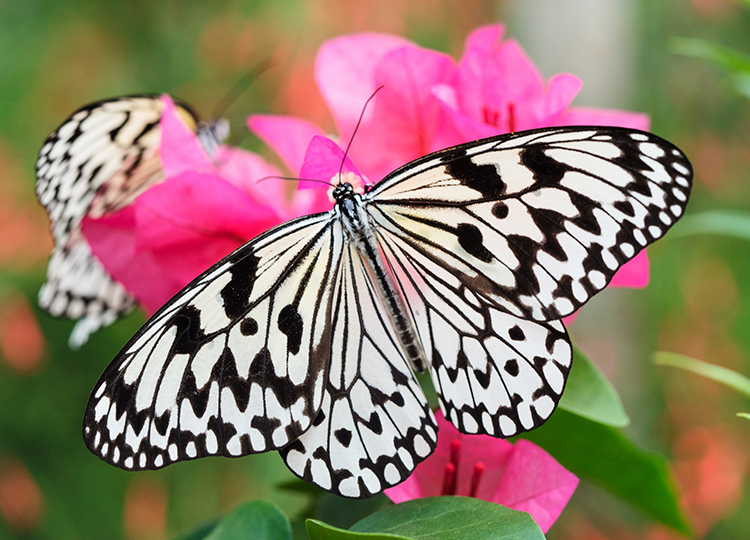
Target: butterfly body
{"type": "Point", "coordinates": [361, 234]}
{"type": "Point", "coordinates": [304, 339]}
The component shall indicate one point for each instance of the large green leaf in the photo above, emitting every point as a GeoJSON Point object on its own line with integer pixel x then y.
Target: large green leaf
{"type": "Point", "coordinates": [259, 520]}
{"type": "Point", "coordinates": [436, 518]}
{"type": "Point", "coordinates": [733, 224]}
{"type": "Point", "coordinates": [719, 374]}
{"type": "Point", "coordinates": [317, 530]}
{"type": "Point", "coordinates": [605, 456]}
{"type": "Point", "coordinates": [589, 394]}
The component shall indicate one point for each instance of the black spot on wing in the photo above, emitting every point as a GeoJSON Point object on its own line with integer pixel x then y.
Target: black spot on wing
{"type": "Point", "coordinates": [249, 327]}
{"type": "Point", "coordinates": [189, 333]}
{"type": "Point", "coordinates": [290, 324]}
{"type": "Point", "coordinates": [545, 169]}
{"type": "Point", "coordinates": [344, 436]}
{"type": "Point", "coordinates": [373, 423]}
{"type": "Point", "coordinates": [230, 379]}
{"type": "Point", "coordinates": [516, 334]}
{"type": "Point", "coordinates": [236, 293]}
{"type": "Point", "coordinates": [500, 210]}
{"type": "Point", "coordinates": [511, 367]}
{"type": "Point", "coordinates": [470, 238]}
{"type": "Point", "coordinates": [482, 178]}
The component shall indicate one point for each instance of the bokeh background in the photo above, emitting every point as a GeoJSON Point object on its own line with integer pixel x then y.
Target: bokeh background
{"type": "Point", "coordinates": [56, 55]}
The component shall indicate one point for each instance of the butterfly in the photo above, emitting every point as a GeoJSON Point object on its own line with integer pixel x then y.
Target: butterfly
{"type": "Point", "coordinates": [98, 161]}
{"type": "Point", "coordinates": [305, 340]}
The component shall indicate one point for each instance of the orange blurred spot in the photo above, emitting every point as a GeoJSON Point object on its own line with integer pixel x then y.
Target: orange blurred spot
{"type": "Point", "coordinates": [21, 341]}
{"type": "Point", "coordinates": [709, 158]}
{"type": "Point", "coordinates": [299, 95]}
{"type": "Point", "coordinates": [227, 43]}
{"type": "Point", "coordinates": [145, 515]}
{"type": "Point", "coordinates": [24, 229]}
{"type": "Point", "coordinates": [21, 503]}
{"type": "Point", "coordinates": [714, 8]}
{"type": "Point", "coordinates": [710, 466]}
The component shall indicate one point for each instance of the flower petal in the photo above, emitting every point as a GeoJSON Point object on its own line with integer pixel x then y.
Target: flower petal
{"type": "Point", "coordinates": [288, 136]}
{"type": "Point", "coordinates": [535, 483]}
{"type": "Point", "coordinates": [345, 73]}
{"type": "Point", "coordinates": [179, 150]}
{"type": "Point", "coordinates": [173, 232]}
{"type": "Point", "coordinates": [427, 478]}
{"type": "Point", "coordinates": [587, 116]}
{"type": "Point", "coordinates": [406, 116]}
{"type": "Point", "coordinates": [561, 90]}
{"type": "Point", "coordinates": [246, 170]}
{"type": "Point", "coordinates": [634, 273]}
{"type": "Point", "coordinates": [323, 161]}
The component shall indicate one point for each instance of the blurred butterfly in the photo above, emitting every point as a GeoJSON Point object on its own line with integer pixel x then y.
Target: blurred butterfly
{"type": "Point", "coordinates": [98, 161]}
{"type": "Point", "coordinates": [305, 339]}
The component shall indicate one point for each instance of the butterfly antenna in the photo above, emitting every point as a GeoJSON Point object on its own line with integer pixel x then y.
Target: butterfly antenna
{"type": "Point", "coordinates": [351, 139]}
{"type": "Point", "coordinates": [240, 86]}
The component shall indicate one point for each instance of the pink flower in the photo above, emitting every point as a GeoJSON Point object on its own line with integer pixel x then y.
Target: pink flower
{"type": "Point", "coordinates": [521, 476]}
{"type": "Point", "coordinates": [202, 211]}
{"type": "Point", "coordinates": [429, 102]}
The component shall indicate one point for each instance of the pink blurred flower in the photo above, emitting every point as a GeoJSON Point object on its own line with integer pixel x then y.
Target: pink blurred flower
{"type": "Point", "coordinates": [521, 476]}
{"type": "Point", "coordinates": [202, 211]}
{"type": "Point", "coordinates": [429, 102]}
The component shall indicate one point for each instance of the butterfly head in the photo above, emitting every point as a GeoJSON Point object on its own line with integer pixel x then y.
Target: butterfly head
{"type": "Point", "coordinates": [345, 185]}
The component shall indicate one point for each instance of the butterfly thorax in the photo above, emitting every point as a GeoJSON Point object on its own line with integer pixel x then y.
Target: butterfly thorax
{"type": "Point", "coordinates": [212, 135]}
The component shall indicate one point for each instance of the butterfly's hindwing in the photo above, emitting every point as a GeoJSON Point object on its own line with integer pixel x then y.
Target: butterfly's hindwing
{"type": "Point", "coordinates": [234, 364]}
{"type": "Point", "coordinates": [375, 425]}
{"type": "Point", "coordinates": [495, 373]}
{"type": "Point", "coordinates": [538, 222]}
{"type": "Point", "coordinates": [79, 287]}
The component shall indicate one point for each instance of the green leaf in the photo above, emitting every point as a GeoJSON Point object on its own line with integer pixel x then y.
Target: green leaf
{"type": "Point", "coordinates": [200, 533]}
{"type": "Point", "coordinates": [733, 60]}
{"type": "Point", "coordinates": [589, 394]}
{"type": "Point", "coordinates": [724, 223]}
{"type": "Point", "coordinates": [605, 456]}
{"type": "Point", "coordinates": [435, 518]}
{"type": "Point", "coordinates": [743, 415]}
{"type": "Point", "coordinates": [719, 374]}
{"type": "Point", "coordinates": [317, 530]}
{"type": "Point", "coordinates": [259, 520]}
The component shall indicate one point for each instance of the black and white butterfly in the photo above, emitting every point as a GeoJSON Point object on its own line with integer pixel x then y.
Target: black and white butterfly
{"type": "Point", "coordinates": [98, 161]}
{"type": "Point", "coordinates": [464, 261]}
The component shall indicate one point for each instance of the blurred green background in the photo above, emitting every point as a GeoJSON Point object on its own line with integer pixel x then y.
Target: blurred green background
{"type": "Point", "coordinates": [58, 55]}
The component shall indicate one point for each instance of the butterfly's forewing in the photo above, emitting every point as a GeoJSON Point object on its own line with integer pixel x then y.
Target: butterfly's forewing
{"type": "Point", "coordinates": [492, 241]}
{"type": "Point", "coordinates": [236, 363]}
{"type": "Point", "coordinates": [539, 221]}
{"type": "Point", "coordinates": [97, 161]}
{"type": "Point", "coordinates": [375, 425]}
